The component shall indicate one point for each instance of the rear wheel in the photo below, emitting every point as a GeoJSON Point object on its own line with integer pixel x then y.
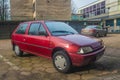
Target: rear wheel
{"type": "Point", "coordinates": [105, 34]}
{"type": "Point", "coordinates": [97, 35]}
{"type": "Point", "coordinates": [18, 52]}
{"type": "Point", "coordinates": [62, 62]}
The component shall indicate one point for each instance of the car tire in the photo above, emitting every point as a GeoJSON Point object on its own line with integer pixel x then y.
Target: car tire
{"type": "Point", "coordinates": [97, 35]}
{"type": "Point", "coordinates": [17, 50]}
{"type": "Point", "coordinates": [62, 62]}
{"type": "Point", "coordinates": [105, 34]}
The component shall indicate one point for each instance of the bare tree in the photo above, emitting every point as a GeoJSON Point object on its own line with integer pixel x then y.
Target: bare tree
{"type": "Point", "coordinates": [3, 10]}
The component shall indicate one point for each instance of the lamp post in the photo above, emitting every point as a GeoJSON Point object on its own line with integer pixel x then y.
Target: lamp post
{"type": "Point", "coordinates": [108, 11]}
{"type": "Point", "coordinates": [108, 26]}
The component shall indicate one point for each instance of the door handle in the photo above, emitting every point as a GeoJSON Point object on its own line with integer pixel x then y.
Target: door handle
{"type": "Point", "coordinates": [24, 39]}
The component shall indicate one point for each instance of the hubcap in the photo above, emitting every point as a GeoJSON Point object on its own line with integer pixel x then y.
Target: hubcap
{"type": "Point", "coordinates": [60, 62]}
{"type": "Point", "coordinates": [17, 51]}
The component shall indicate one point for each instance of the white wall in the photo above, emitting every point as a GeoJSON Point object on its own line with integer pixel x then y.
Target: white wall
{"type": "Point", "coordinates": [113, 5]}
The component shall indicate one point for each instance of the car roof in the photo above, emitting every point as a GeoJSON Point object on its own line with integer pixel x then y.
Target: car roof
{"type": "Point", "coordinates": [38, 21]}
{"type": "Point", "coordinates": [92, 25]}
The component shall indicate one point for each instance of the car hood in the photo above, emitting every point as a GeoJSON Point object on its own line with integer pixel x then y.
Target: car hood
{"type": "Point", "coordinates": [79, 39]}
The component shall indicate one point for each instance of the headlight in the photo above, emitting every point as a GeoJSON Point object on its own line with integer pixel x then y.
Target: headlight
{"type": "Point", "coordinates": [84, 50]}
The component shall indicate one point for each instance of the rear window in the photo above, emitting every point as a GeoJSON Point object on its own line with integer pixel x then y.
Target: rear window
{"type": "Point", "coordinates": [89, 27]}
{"type": "Point", "coordinates": [92, 27]}
{"type": "Point", "coordinates": [99, 27]}
{"type": "Point", "coordinates": [22, 28]}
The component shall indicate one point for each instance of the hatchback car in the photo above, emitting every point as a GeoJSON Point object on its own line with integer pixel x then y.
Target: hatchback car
{"type": "Point", "coordinates": [57, 41]}
{"type": "Point", "coordinates": [94, 30]}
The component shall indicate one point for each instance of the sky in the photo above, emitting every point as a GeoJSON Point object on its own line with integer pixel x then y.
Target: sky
{"type": "Point", "coordinates": [80, 3]}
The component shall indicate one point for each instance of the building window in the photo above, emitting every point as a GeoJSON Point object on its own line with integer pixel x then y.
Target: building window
{"type": "Point", "coordinates": [118, 22]}
{"type": "Point", "coordinates": [91, 8]}
{"type": "Point", "coordinates": [110, 22]}
{"type": "Point", "coordinates": [94, 10]}
{"type": "Point", "coordinates": [98, 5]}
{"type": "Point", "coordinates": [103, 4]}
{"type": "Point", "coordinates": [94, 7]}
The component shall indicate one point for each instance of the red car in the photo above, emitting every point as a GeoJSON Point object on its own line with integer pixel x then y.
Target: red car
{"type": "Point", "coordinates": [57, 41]}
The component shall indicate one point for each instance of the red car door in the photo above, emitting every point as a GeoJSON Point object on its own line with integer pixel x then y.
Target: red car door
{"type": "Point", "coordinates": [38, 42]}
{"type": "Point", "coordinates": [19, 36]}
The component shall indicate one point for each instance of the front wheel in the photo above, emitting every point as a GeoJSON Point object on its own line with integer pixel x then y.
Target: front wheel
{"type": "Point", "coordinates": [18, 52]}
{"type": "Point", "coordinates": [62, 62]}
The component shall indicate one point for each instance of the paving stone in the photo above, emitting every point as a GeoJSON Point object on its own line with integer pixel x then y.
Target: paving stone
{"type": "Point", "coordinates": [4, 68]}
{"type": "Point", "coordinates": [26, 65]}
{"type": "Point", "coordinates": [58, 76]}
{"type": "Point", "coordinates": [48, 65]}
{"type": "Point", "coordinates": [25, 73]}
{"type": "Point", "coordinates": [26, 69]}
{"type": "Point", "coordinates": [35, 71]}
{"type": "Point", "coordinates": [39, 69]}
{"type": "Point", "coordinates": [36, 65]}
{"type": "Point", "coordinates": [87, 76]}
{"type": "Point", "coordinates": [82, 72]}
{"type": "Point", "coordinates": [50, 70]}
{"type": "Point", "coordinates": [73, 77]}
{"type": "Point", "coordinates": [11, 75]}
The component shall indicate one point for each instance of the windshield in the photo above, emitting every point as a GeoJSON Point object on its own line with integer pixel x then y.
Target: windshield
{"type": "Point", "coordinates": [60, 28]}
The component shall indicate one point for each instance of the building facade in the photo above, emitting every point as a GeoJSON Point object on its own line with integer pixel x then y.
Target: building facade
{"type": "Point", "coordinates": [107, 11]}
{"type": "Point", "coordinates": [40, 9]}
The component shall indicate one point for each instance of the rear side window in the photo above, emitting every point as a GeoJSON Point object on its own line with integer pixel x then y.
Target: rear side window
{"type": "Point", "coordinates": [22, 28]}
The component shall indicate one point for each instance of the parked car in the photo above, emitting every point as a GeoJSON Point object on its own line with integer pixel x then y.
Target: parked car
{"type": "Point", "coordinates": [57, 41]}
{"type": "Point", "coordinates": [94, 30]}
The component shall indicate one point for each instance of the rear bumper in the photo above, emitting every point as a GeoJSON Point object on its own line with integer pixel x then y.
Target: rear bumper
{"type": "Point", "coordinates": [80, 60]}
{"type": "Point", "coordinates": [88, 33]}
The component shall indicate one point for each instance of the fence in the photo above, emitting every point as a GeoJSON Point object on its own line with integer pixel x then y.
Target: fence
{"type": "Point", "coordinates": [6, 28]}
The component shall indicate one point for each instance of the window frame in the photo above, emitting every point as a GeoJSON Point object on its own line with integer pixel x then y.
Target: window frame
{"type": "Point", "coordinates": [20, 25]}
{"type": "Point", "coordinates": [38, 29]}
{"type": "Point", "coordinates": [30, 27]}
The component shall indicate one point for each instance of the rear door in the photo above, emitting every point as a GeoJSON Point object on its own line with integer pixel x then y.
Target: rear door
{"type": "Point", "coordinates": [19, 37]}
{"type": "Point", "coordinates": [38, 42]}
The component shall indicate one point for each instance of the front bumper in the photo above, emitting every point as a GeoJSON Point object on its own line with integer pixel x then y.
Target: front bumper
{"type": "Point", "coordinates": [80, 60]}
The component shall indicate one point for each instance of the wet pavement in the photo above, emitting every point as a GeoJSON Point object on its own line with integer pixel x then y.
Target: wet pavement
{"type": "Point", "coordinates": [32, 67]}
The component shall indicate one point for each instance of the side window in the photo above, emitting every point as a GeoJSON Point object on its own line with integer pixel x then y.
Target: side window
{"type": "Point", "coordinates": [42, 30]}
{"type": "Point", "coordinates": [34, 29]}
{"type": "Point", "coordinates": [22, 28]}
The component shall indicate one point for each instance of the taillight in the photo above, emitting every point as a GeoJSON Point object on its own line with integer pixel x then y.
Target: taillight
{"type": "Point", "coordinates": [92, 30]}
